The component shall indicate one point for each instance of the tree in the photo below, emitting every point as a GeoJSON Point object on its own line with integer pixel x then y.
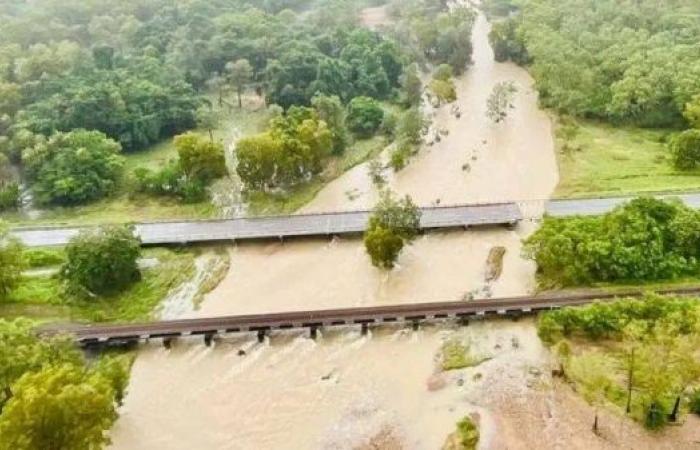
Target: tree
{"type": "Point", "coordinates": [692, 112]}
{"type": "Point", "coordinates": [331, 111]}
{"type": "Point", "coordinates": [291, 151]}
{"type": "Point", "coordinates": [444, 90]}
{"type": "Point", "coordinates": [393, 224]}
{"type": "Point", "coordinates": [73, 168]}
{"type": "Point", "coordinates": [364, 116]}
{"type": "Point", "coordinates": [240, 74]}
{"type": "Point", "coordinates": [58, 407]}
{"type": "Point", "coordinates": [412, 126]}
{"type": "Point", "coordinates": [22, 351]}
{"type": "Point", "coordinates": [500, 101]}
{"type": "Point", "coordinates": [208, 119]}
{"type": "Point", "coordinates": [11, 261]}
{"type": "Point", "coordinates": [200, 159]}
{"type": "Point", "coordinates": [411, 86]}
{"type": "Point", "coordinates": [383, 246]}
{"type": "Point", "coordinates": [685, 149]}
{"type": "Point", "coordinates": [9, 188]}
{"type": "Point", "coordinates": [102, 261]}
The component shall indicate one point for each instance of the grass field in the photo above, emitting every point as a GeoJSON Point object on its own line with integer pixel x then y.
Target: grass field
{"type": "Point", "coordinates": [602, 160]}
{"type": "Point", "coordinates": [42, 297]}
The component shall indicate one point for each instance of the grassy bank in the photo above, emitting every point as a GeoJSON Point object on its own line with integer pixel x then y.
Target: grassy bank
{"type": "Point", "coordinates": [597, 159]}
{"type": "Point", "coordinates": [41, 295]}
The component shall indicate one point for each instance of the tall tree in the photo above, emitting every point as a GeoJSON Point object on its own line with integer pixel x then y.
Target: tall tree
{"type": "Point", "coordinates": [240, 73]}
{"type": "Point", "coordinates": [11, 261]}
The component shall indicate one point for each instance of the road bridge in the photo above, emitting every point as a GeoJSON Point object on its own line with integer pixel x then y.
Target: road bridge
{"type": "Point", "coordinates": [322, 224]}
{"type": "Point", "coordinates": [106, 335]}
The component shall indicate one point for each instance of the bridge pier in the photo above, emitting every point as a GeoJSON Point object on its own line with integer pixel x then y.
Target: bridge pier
{"type": "Point", "coordinates": [261, 336]}
{"type": "Point", "coordinates": [168, 342]}
{"type": "Point", "coordinates": [365, 328]}
{"type": "Point", "coordinates": [463, 321]}
{"type": "Point", "coordinates": [415, 325]}
{"type": "Point", "coordinates": [208, 338]}
{"type": "Point", "coordinates": [313, 332]}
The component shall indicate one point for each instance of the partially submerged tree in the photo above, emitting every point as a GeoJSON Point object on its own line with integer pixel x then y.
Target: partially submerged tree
{"type": "Point", "coordinates": [500, 101]}
{"type": "Point", "coordinates": [200, 159]}
{"type": "Point", "coordinates": [393, 224]}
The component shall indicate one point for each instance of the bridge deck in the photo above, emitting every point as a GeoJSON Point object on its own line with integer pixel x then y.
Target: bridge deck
{"type": "Point", "coordinates": [284, 226]}
{"type": "Point", "coordinates": [119, 334]}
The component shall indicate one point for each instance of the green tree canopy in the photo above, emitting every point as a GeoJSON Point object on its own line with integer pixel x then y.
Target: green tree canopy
{"type": "Point", "coordinates": [393, 224]}
{"type": "Point", "coordinates": [364, 116]}
{"type": "Point", "coordinates": [72, 168]}
{"type": "Point", "coordinates": [199, 158]}
{"type": "Point", "coordinates": [58, 407]}
{"type": "Point", "coordinates": [685, 149]}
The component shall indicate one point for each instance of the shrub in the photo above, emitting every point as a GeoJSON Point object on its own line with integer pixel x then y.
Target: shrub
{"type": "Point", "coordinates": [9, 196]}
{"type": "Point", "coordinates": [685, 149]}
{"type": "Point", "coordinates": [655, 418]}
{"type": "Point", "coordinates": [102, 261]}
{"type": "Point", "coordinates": [11, 261]}
{"type": "Point", "coordinates": [444, 90]}
{"type": "Point", "coordinates": [443, 72]}
{"type": "Point", "coordinates": [170, 181]}
{"type": "Point", "coordinates": [364, 116]}
{"type": "Point", "coordinates": [694, 404]}
{"type": "Point", "coordinates": [468, 433]}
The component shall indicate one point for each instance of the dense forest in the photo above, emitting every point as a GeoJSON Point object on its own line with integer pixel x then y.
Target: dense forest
{"type": "Point", "coordinates": [624, 61]}
{"type": "Point", "coordinates": [139, 72]}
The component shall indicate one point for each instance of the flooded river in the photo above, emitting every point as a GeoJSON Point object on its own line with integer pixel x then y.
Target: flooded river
{"type": "Point", "coordinates": [340, 391]}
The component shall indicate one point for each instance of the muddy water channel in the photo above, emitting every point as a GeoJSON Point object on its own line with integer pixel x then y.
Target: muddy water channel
{"type": "Point", "coordinates": [345, 390]}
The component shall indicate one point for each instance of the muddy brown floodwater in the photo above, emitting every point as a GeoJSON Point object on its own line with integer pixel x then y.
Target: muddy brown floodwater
{"type": "Point", "coordinates": [345, 389]}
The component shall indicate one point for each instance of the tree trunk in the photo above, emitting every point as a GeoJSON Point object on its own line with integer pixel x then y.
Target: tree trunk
{"type": "Point", "coordinates": [221, 97]}
{"type": "Point", "coordinates": [595, 423]}
{"type": "Point", "coordinates": [240, 103]}
{"type": "Point", "coordinates": [674, 414]}
{"type": "Point", "coordinates": [8, 395]}
{"type": "Point", "coordinates": [211, 136]}
{"type": "Point", "coordinates": [629, 384]}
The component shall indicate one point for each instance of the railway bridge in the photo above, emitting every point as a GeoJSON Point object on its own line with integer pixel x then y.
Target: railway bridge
{"type": "Point", "coordinates": [209, 328]}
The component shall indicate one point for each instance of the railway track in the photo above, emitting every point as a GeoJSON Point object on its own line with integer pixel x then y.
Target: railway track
{"type": "Point", "coordinates": [118, 335]}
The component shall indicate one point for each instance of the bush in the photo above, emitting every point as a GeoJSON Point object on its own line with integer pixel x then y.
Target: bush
{"type": "Point", "coordinates": [412, 125]}
{"type": "Point", "coordinates": [364, 116]}
{"type": "Point", "coordinates": [468, 433]}
{"type": "Point", "coordinates": [694, 403]}
{"type": "Point", "coordinates": [443, 72]}
{"type": "Point", "coordinates": [9, 196]}
{"type": "Point", "coordinates": [444, 90]}
{"type": "Point", "coordinates": [685, 149]}
{"type": "Point", "coordinates": [12, 262]}
{"type": "Point", "coordinates": [609, 319]}
{"type": "Point", "coordinates": [44, 257]}
{"type": "Point", "coordinates": [655, 418]}
{"type": "Point", "coordinates": [170, 181]}
{"type": "Point", "coordinates": [102, 261]}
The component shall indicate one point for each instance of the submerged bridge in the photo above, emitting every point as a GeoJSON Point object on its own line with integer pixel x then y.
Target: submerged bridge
{"type": "Point", "coordinates": [322, 224]}
{"type": "Point", "coordinates": [209, 328]}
